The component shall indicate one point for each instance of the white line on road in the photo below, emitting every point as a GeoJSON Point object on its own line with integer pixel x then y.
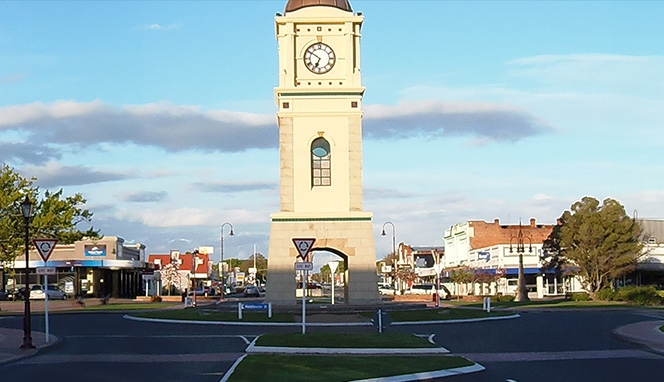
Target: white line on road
{"type": "Point", "coordinates": [130, 358]}
{"type": "Point", "coordinates": [559, 356]}
{"type": "Point", "coordinates": [243, 337]}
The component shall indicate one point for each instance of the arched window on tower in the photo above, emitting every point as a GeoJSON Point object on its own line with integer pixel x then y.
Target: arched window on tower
{"type": "Point", "coordinates": [321, 171]}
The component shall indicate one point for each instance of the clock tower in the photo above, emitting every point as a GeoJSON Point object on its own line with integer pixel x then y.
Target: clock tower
{"type": "Point", "coordinates": [319, 99]}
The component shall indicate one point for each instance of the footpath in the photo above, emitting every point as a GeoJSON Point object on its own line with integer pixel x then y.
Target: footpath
{"type": "Point", "coordinates": [12, 339]}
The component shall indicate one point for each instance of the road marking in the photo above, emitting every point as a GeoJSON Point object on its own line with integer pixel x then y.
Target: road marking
{"type": "Point", "coordinates": [129, 358]}
{"type": "Point", "coordinates": [243, 337]}
{"type": "Point", "coordinates": [559, 356]}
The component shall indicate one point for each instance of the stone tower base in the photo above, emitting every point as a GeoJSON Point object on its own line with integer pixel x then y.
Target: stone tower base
{"type": "Point", "coordinates": [349, 235]}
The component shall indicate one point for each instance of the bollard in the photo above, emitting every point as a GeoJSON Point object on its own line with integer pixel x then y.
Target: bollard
{"type": "Point", "coordinates": [486, 304]}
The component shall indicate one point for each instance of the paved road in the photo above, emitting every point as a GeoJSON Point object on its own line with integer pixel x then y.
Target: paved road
{"type": "Point", "coordinates": [551, 346]}
{"type": "Point", "coordinates": [547, 346]}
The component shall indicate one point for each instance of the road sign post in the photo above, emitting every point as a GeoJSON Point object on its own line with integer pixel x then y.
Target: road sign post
{"type": "Point", "coordinates": [45, 247]}
{"type": "Point", "coordinates": [333, 269]}
{"type": "Point", "coordinates": [304, 246]}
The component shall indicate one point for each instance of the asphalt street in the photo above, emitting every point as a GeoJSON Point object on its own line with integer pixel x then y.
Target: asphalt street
{"type": "Point", "coordinates": [539, 346]}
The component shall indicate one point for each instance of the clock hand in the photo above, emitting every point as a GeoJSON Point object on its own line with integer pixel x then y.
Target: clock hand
{"type": "Point", "coordinates": [317, 62]}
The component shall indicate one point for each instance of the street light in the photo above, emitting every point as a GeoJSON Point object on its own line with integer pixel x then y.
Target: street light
{"type": "Point", "coordinates": [394, 250]}
{"type": "Point", "coordinates": [194, 265]}
{"type": "Point", "coordinates": [522, 292]}
{"type": "Point", "coordinates": [26, 209]}
{"type": "Point", "coordinates": [221, 262]}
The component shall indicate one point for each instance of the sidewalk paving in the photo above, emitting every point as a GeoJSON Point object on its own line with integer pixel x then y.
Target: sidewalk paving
{"type": "Point", "coordinates": [12, 339]}
{"type": "Point", "coordinates": [645, 333]}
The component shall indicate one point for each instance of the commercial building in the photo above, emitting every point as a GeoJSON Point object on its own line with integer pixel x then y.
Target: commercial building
{"type": "Point", "coordinates": [494, 248]}
{"type": "Point", "coordinates": [174, 271]}
{"type": "Point", "coordinates": [650, 267]}
{"type": "Point", "coordinates": [90, 268]}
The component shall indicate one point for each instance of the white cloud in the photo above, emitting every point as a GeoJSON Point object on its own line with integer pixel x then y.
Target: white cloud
{"type": "Point", "coordinates": [157, 26]}
{"type": "Point", "coordinates": [59, 125]}
{"type": "Point", "coordinates": [636, 74]}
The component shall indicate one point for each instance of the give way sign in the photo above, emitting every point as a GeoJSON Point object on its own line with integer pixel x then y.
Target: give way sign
{"type": "Point", "coordinates": [45, 247]}
{"type": "Point", "coordinates": [304, 246]}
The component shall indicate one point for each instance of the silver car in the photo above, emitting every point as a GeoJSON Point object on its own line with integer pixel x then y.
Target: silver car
{"type": "Point", "coordinates": [53, 291]}
{"type": "Point", "coordinates": [386, 289]}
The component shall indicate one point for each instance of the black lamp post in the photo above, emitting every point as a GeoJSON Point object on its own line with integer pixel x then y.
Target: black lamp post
{"type": "Point", "coordinates": [26, 210]}
{"type": "Point", "coordinates": [221, 263]}
{"type": "Point", "coordinates": [522, 291]}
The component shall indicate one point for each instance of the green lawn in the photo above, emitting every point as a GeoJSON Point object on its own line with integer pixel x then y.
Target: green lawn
{"type": "Point", "coordinates": [203, 314]}
{"type": "Point", "coordinates": [345, 340]}
{"type": "Point", "coordinates": [557, 303]}
{"type": "Point", "coordinates": [128, 306]}
{"type": "Point", "coordinates": [440, 314]}
{"type": "Point", "coordinates": [296, 368]}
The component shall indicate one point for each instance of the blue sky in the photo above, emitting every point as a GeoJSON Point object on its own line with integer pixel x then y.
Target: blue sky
{"type": "Point", "coordinates": [162, 113]}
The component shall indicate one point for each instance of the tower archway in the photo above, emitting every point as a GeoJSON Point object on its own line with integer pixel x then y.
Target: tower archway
{"type": "Point", "coordinates": [340, 276]}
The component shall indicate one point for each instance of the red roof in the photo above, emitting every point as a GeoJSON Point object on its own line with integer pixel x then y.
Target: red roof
{"type": "Point", "coordinates": [186, 264]}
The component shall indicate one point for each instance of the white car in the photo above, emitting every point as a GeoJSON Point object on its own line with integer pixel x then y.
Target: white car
{"type": "Point", "coordinates": [430, 289]}
{"type": "Point", "coordinates": [386, 289]}
{"type": "Point", "coordinates": [53, 291]}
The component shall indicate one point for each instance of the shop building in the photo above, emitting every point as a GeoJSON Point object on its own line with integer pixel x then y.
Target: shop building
{"type": "Point", "coordinates": [100, 268]}
{"type": "Point", "coordinates": [174, 272]}
{"type": "Point", "coordinates": [495, 248]}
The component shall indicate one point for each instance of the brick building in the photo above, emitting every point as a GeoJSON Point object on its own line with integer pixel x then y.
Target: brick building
{"type": "Point", "coordinates": [493, 247]}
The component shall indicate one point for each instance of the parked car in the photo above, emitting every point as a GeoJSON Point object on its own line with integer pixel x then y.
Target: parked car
{"type": "Point", "coordinates": [251, 291]}
{"type": "Point", "coordinates": [3, 296]}
{"type": "Point", "coordinates": [16, 294]}
{"type": "Point", "coordinates": [205, 291]}
{"type": "Point", "coordinates": [386, 289]}
{"type": "Point", "coordinates": [430, 289]}
{"type": "Point", "coordinates": [54, 292]}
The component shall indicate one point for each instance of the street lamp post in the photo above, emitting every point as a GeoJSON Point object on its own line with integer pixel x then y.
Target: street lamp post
{"type": "Point", "coordinates": [26, 209]}
{"type": "Point", "coordinates": [221, 262]}
{"type": "Point", "coordinates": [395, 261]}
{"type": "Point", "coordinates": [522, 291]}
{"type": "Point", "coordinates": [194, 265]}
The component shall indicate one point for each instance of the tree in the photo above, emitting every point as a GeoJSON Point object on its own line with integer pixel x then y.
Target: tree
{"type": "Point", "coordinates": [170, 276]}
{"type": "Point", "coordinates": [596, 242]}
{"type": "Point", "coordinates": [53, 216]}
{"type": "Point", "coordinates": [261, 266]}
{"type": "Point", "coordinates": [326, 272]}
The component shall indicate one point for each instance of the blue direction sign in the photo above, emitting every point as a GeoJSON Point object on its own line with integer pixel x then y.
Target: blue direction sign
{"type": "Point", "coordinates": [255, 306]}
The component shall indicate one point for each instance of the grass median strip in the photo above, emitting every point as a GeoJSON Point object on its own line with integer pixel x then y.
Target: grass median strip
{"type": "Point", "coordinates": [347, 340]}
{"type": "Point", "coordinates": [269, 367]}
{"type": "Point", "coordinates": [202, 314]}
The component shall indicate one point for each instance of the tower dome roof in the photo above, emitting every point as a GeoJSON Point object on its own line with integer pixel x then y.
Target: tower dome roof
{"type": "Point", "coordinates": [294, 5]}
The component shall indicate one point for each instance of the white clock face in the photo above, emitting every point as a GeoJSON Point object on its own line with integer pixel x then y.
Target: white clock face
{"type": "Point", "coordinates": [319, 58]}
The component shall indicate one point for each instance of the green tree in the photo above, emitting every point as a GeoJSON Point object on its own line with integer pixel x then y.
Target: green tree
{"type": "Point", "coordinates": [261, 266]}
{"type": "Point", "coordinates": [53, 216]}
{"type": "Point", "coordinates": [596, 242]}
{"type": "Point", "coordinates": [326, 272]}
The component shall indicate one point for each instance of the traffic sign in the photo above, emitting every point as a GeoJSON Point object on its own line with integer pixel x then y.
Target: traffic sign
{"type": "Point", "coordinates": [304, 266]}
{"type": "Point", "coordinates": [304, 246]}
{"type": "Point", "coordinates": [255, 306]}
{"type": "Point", "coordinates": [45, 247]}
{"type": "Point", "coordinates": [48, 271]}
{"type": "Point", "coordinates": [333, 266]}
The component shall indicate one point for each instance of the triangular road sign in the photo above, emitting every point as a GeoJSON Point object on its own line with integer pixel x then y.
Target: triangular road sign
{"type": "Point", "coordinates": [45, 247]}
{"type": "Point", "coordinates": [304, 246]}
